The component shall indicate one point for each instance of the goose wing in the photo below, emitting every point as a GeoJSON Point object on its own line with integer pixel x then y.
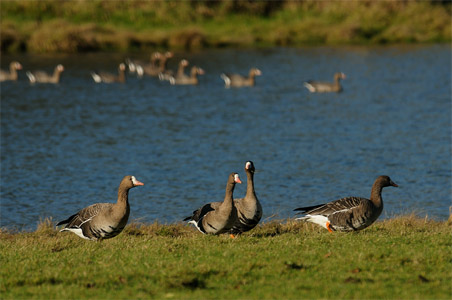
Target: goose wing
{"type": "Point", "coordinates": [85, 215]}
{"type": "Point", "coordinates": [334, 207]}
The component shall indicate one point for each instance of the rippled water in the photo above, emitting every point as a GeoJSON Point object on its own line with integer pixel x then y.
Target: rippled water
{"type": "Point", "coordinates": [66, 146]}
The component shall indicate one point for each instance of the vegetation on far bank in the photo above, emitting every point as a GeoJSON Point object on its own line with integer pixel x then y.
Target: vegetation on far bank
{"type": "Point", "coordinates": [85, 25]}
{"type": "Point", "coordinates": [400, 258]}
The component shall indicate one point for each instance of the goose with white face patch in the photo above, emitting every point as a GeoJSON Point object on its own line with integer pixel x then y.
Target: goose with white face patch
{"type": "Point", "coordinates": [103, 220]}
{"type": "Point", "coordinates": [351, 213]}
{"type": "Point", "coordinates": [187, 80]}
{"type": "Point", "coordinates": [106, 77]}
{"type": "Point", "coordinates": [217, 217]}
{"type": "Point", "coordinates": [325, 87]}
{"type": "Point", "coordinates": [12, 74]}
{"type": "Point", "coordinates": [237, 80]}
{"type": "Point", "coordinates": [249, 209]}
{"type": "Point", "coordinates": [43, 77]}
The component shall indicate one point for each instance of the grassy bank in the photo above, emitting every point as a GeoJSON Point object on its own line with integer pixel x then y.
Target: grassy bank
{"type": "Point", "coordinates": [403, 258]}
{"type": "Point", "coordinates": [71, 26]}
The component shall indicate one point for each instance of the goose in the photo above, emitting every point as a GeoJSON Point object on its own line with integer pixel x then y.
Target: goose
{"type": "Point", "coordinates": [237, 80]}
{"type": "Point", "coordinates": [12, 74]}
{"type": "Point", "coordinates": [110, 78]}
{"type": "Point", "coordinates": [185, 79]}
{"type": "Point", "coordinates": [217, 217]}
{"type": "Point", "coordinates": [161, 67]}
{"type": "Point", "coordinates": [43, 77]}
{"type": "Point", "coordinates": [141, 67]}
{"type": "Point", "coordinates": [350, 213]}
{"type": "Point", "coordinates": [249, 209]}
{"type": "Point", "coordinates": [325, 87]}
{"type": "Point", "coordinates": [103, 220]}
{"type": "Point", "coordinates": [167, 75]}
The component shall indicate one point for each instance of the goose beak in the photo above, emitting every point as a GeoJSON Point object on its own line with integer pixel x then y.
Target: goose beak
{"type": "Point", "coordinates": [393, 184]}
{"type": "Point", "coordinates": [138, 183]}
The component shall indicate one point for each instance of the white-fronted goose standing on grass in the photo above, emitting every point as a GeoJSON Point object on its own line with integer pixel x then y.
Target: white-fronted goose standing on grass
{"type": "Point", "coordinates": [217, 217]}
{"type": "Point", "coordinates": [167, 75]}
{"type": "Point", "coordinates": [351, 213]}
{"type": "Point", "coordinates": [249, 209]}
{"type": "Point", "coordinates": [43, 77]}
{"type": "Point", "coordinates": [237, 80]}
{"type": "Point", "coordinates": [185, 79]}
{"type": "Point", "coordinates": [106, 77]}
{"type": "Point", "coordinates": [325, 87]}
{"type": "Point", "coordinates": [103, 220]}
{"type": "Point", "coordinates": [12, 74]}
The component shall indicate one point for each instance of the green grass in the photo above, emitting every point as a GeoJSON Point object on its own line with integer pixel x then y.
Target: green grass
{"type": "Point", "coordinates": [401, 258]}
{"type": "Point", "coordinates": [72, 26]}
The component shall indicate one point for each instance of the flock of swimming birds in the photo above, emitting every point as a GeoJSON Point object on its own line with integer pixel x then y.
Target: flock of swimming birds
{"type": "Point", "coordinates": [157, 66]}
{"type": "Point", "coordinates": [231, 216]}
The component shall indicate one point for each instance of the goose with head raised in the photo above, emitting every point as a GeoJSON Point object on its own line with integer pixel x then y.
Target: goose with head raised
{"type": "Point", "coordinates": [326, 87]}
{"type": "Point", "coordinates": [43, 77]}
{"type": "Point", "coordinates": [12, 74]}
{"type": "Point", "coordinates": [106, 77]}
{"type": "Point", "coordinates": [249, 209]}
{"type": "Point", "coordinates": [237, 80]}
{"type": "Point", "coordinates": [103, 220]}
{"type": "Point", "coordinates": [217, 217]}
{"type": "Point", "coordinates": [350, 213]}
{"type": "Point", "coordinates": [187, 80]}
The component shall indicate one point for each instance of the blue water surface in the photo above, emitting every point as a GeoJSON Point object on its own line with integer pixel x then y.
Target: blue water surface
{"type": "Point", "coordinates": [66, 146]}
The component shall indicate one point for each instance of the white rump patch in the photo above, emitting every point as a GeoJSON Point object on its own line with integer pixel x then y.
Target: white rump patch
{"type": "Point", "coordinates": [227, 80]}
{"type": "Point", "coordinates": [316, 219]}
{"type": "Point", "coordinates": [77, 231]}
{"type": "Point", "coordinates": [31, 77]}
{"type": "Point", "coordinates": [309, 87]}
{"type": "Point", "coordinates": [96, 77]}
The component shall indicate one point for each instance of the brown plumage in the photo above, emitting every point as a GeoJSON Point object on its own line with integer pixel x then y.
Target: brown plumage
{"type": "Point", "coordinates": [237, 80]}
{"type": "Point", "coordinates": [351, 213]}
{"type": "Point", "coordinates": [103, 220]}
{"type": "Point", "coordinates": [217, 217]}
{"type": "Point", "coordinates": [110, 78]}
{"type": "Point", "coordinates": [185, 79]}
{"type": "Point", "coordinates": [43, 77]}
{"type": "Point", "coordinates": [12, 74]}
{"type": "Point", "coordinates": [249, 209]}
{"type": "Point", "coordinates": [325, 87]}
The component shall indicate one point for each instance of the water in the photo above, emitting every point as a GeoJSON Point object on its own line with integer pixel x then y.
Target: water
{"type": "Point", "coordinates": [66, 146]}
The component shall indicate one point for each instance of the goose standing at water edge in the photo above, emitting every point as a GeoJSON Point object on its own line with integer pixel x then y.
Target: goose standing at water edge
{"type": "Point", "coordinates": [351, 213]}
{"type": "Point", "coordinates": [103, 220]}
{"type": "Point", "coordinates": [43, 77]}
{"type": "Point", "coordinates": [249, 209]}
{"type": "Point", "coordinates": [217, 217]}
{"type": "Point", "coordinates": [325, 87]}
{"type": "Point", "coordinates": [12, 74]}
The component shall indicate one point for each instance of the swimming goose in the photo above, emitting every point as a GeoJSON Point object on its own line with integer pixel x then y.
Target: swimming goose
{"type": "Point", "coordinates": [43, 77]}
{"type": "Point", "coordinates": [249, 209]}
{"type": "Point", "coordinates": [237, 80]}
{"type": "Point", "coordinates": [110, 78]}
{"type": "Point", "coordinates": [12, 74]}
{"type": "Point", "coordinates": [103, 220]}
{"type": "Point", "coordinates": [168, 74]}
{"type": "Point", "coordinates": [217, 217]}
{"type": "Point", "coordinates": [185, 79]}
{"type": "Point", "coordinates": [325, 87]}
{"type": "Point", "coordinates": [351, 213]}
{"type": "Point", "coordinates": [141, 67]}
